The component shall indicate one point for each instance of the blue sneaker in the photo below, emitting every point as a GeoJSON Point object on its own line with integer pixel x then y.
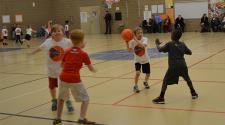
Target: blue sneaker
{"type": "Point", "coordinates": [54, 104]}
{"type": "Point", "coordinates": [69, 106]}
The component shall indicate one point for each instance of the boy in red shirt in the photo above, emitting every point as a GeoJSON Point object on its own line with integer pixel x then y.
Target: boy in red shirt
{"type": "Point", "coordinates": [70, 77]}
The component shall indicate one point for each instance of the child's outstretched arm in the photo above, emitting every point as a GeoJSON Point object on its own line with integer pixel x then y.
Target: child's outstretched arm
{"type": "Point", "coordinates": [91, 68]}
{"type": "Point", "coordinates": [128, 48]}
{"type": "Point", "coordinates": [35, 51]}
{"type": "Point", "coordinates": [187, 50]}
{"type": "Point", "coordinates": [161, 48]}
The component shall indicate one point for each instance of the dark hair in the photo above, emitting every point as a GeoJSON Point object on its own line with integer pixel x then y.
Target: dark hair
{"type": "Point", "coordinates": [176, 35]}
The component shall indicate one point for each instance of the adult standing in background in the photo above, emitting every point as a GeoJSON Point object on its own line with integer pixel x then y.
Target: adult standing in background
{"type": "Point", "coordinates": [108, 19]}
{"type": "Point", "coordinates": [167, 25]}
{"type": "Point", "coordinates": [205, 23]}
{"type": "Point", "coordinates": [179, 23]}
{"type": "Point", "coordinates": [158, 21]}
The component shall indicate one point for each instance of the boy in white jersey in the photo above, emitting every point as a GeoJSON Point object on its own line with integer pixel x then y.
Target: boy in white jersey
{"type": "Point", "coordinates": [18, 32]}
{"type": "Point", "coordinates": [55, 47]}
{"type": "Point", "coordinates": [138, 45]}
{"type": "Point", "coordinates": [5, 35]}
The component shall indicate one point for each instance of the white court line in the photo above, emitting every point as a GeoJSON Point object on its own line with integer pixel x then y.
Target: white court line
{"type": "Point", "coordinates": [19, 96]}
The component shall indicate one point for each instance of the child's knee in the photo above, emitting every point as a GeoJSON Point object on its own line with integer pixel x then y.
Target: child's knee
{"type": "Point", "coordinates": [53, 83]}
{"type": "Point", "coordinates": [148, 74]}
{"type": "Point", "coordinates": [138, 73]}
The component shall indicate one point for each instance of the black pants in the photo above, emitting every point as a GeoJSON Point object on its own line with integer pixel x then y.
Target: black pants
{"type": "Point", "coordinates": [172, 77]}
{"type": "Point", "coordinates": [108, 29]}
{"type": "Point", "coordinates": [18, 39]}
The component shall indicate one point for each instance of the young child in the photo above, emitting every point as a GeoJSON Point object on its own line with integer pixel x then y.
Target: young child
{"type": "Point", "coordinates": [70, 77]}
{"type": "Point", "coordinates": [55, 46]}
{"type": "Point", "coordinates": [138, 45]}
{"type": "Point", "coordinates": [177, 65]}
{"type": "Point", "coordinates": [5, 35]}
{"type": "Point", "coordinates": [18, 32]}
{"type": "Point", "coordinates": [28, 35]}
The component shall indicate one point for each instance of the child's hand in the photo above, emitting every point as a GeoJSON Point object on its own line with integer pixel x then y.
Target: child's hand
{"type": "Point", "coordinates": [94, 71]}
{"type": "Point", "coordinates": [157, 42]}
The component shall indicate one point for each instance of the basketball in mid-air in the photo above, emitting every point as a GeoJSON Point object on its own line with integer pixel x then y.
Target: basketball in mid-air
{"type": "Point", "coordinates": [127, 35]}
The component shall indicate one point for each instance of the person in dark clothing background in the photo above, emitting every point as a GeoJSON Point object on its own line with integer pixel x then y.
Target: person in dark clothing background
{"type": "Point", "coordinates": [179, 23]}
{"type": "Point", "coordinates": [205, 23]}
{"type": "Point", "coordinates": [108, 19]}
{"type": "Point", "coordinates": [177, 65]}
{"type": "Point", "coordinates": [215, 23]}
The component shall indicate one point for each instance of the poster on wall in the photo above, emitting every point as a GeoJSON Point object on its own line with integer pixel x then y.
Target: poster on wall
{"type": "Point", "coordinates": [160, 8]}
{"type": "Point", "coordinates": [83, 17]}
{"type": "Point", "coordinates": [19, 18]}
{"type": "Point", "coordinates": [154, 8]}
{"type": "Point", "coordinates": [147, 15]}
{"type": "Point", "coordinates": [5, 19]}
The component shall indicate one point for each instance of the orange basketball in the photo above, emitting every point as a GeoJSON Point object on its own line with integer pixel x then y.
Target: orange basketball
{"type": "Point", "coordinates": [127, 35]}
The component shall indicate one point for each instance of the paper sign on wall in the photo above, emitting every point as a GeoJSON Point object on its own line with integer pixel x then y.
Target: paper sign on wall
{"type": "Point", "coordinates": [154, 8]}
{"type": "Point", "coordinates": [160, 8]}
{"type": "Point", "coordinates": [83, 17]}
{"type": "Point", "coordinates": [5, 19]}
{"type": "Point", "coordinates": [147, 15]}
{"type": "Point", "coordinates": [19, 18]}
{"type": "Point", "coordinates": [146, 7]}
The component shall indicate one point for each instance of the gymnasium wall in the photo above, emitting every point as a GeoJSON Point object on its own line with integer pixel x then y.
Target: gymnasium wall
{"type": "Point", "coordinates": [132, 16]}
{"type": "Point", "coordinates": [61, 10]}
{"type": "Point", "coordinates": [35, 16]}
{"type": "Point", "coordinates": [70, 10]}
{"type": "Point", "coordinates": [191, 24]}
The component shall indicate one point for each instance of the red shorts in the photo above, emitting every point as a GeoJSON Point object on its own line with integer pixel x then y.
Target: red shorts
{"type": "Point", "coordinates": [52, 83]}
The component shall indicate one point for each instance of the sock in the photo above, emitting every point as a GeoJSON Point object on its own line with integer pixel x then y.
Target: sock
{"type": "Point", "coordinates": [81, 118]}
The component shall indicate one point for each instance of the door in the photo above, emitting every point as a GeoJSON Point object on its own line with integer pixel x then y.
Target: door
{"type": "Point", "coordinates": [90, 19]}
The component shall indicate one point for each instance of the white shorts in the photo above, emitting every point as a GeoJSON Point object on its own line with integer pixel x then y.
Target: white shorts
{"type": "Point", "coordinates": [77, 90]}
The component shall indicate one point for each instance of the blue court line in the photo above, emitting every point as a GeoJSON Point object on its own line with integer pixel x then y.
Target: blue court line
{"type": "Point", "coordinates": [9, 49]}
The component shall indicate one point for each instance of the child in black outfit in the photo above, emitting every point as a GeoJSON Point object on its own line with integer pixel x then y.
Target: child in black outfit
{"type": "Point", "coordinates": [177, 65]}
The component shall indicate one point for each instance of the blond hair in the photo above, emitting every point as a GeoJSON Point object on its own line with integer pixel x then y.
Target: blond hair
{"type": "Point", "coordinates": [57, 27]}
{"type": "Point", "coordinates": [136, 29]}
{"type": "Point", "coordinates": [76, 36]}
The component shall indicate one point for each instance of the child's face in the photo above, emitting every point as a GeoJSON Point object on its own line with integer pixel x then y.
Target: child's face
{"type": "Point", "coordinates": [57, 35]}
{"type": "Point", "coordinates": [139, 34]}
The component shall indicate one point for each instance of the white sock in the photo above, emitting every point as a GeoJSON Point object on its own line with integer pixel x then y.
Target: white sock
{"type": "Point", "coordinates": [81, 118]}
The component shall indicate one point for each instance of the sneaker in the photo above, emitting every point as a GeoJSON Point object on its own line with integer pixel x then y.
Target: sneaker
{"type": "Point", "coordinates": [57, 122]}
{"type": "Point", "coordinates": [85, 121]}
{"type": "Point", "coordinates": [146, 85]}
{"type": "Point", "coordinates": [158, 100]}
{"type": "Point", "coordinates": [135, 89]}
{"type": "Point", "coordinates": [194, 95]}
{"type": "Point", "coordinates": [69, 106]}
{"type": "Point", "coordinates": [54, 104]}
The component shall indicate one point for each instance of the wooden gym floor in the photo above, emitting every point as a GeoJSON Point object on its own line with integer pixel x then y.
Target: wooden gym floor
{"type": "Point", "coordinates": [25, 99]}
